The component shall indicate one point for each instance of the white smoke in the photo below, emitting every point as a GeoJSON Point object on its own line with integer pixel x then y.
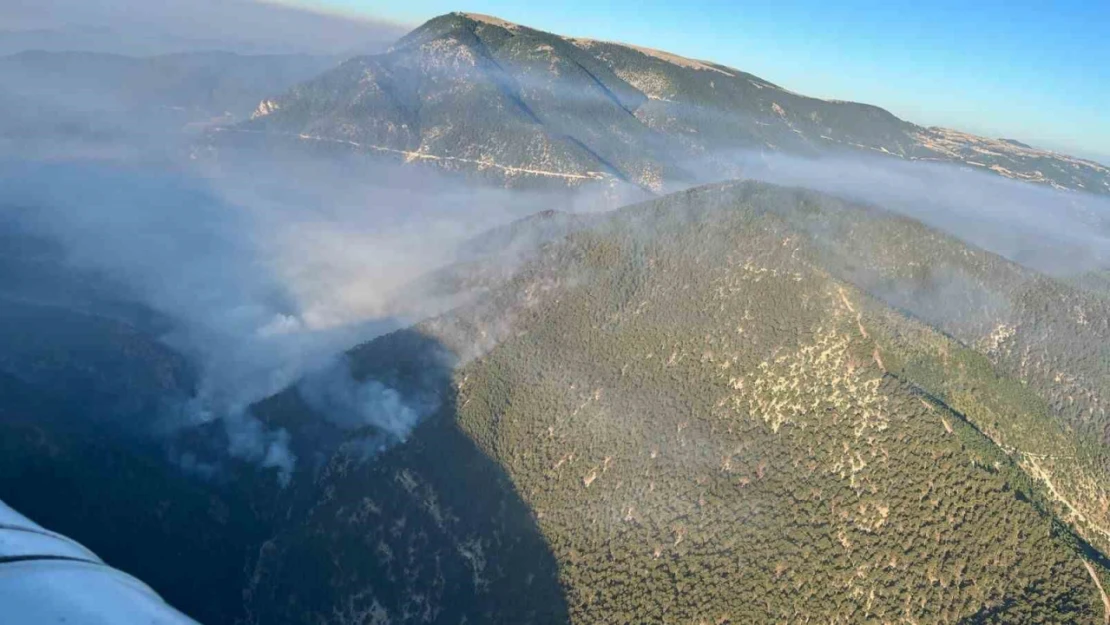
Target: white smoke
{"type": "Point", "coordinates": [384, 414]}
{"type": "Point", "coordinates": [268, 270]}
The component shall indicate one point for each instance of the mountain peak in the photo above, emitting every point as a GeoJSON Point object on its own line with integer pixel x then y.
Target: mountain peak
{"type": "Point", "coordinates": [489, 19]}
{"type": "Point", "coordinates": [662, 55]}
{"type": "Point", "coordinates": [586, 43]}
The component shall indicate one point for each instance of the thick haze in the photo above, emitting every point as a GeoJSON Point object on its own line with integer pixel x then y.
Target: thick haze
{"type": "Point", "coordinates": [142, 27]}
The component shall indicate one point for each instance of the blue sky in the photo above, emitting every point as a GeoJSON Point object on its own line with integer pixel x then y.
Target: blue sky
{"type": "Point", "coordinates": [1034, 71]}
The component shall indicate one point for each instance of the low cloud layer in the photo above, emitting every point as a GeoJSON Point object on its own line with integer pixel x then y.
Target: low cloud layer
{"type": "Point", "coordinates": [1062, 233]}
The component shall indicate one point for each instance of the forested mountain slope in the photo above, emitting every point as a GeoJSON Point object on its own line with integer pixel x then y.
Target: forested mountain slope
{"type": "Point", "coordinates": [740, 403]}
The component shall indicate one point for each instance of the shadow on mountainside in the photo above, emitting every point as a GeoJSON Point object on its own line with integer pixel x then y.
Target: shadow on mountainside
{"type": "Point", "coordinates": [429, 530]}
{"type": "Point", "coordinates": [185, 538]}
{"type": "Point", "coordinates": [426, 530]}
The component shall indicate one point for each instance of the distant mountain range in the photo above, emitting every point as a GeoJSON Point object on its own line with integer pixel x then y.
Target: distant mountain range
{"type": "Point", "coordinates": [475, 93]}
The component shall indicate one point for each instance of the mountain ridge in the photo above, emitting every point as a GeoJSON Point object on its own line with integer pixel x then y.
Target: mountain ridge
{"type": "Point", "coordinates": [478, 94]}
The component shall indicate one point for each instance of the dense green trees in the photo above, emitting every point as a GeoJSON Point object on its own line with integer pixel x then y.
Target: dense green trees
{"type": "Point", "coordinates": [737, 404]}
{"type": "Point", "coordinates": [706, 428]}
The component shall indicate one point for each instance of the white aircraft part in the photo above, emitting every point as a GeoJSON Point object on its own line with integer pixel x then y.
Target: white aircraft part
{"type": "Point", "coordinates": [48, 578]}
